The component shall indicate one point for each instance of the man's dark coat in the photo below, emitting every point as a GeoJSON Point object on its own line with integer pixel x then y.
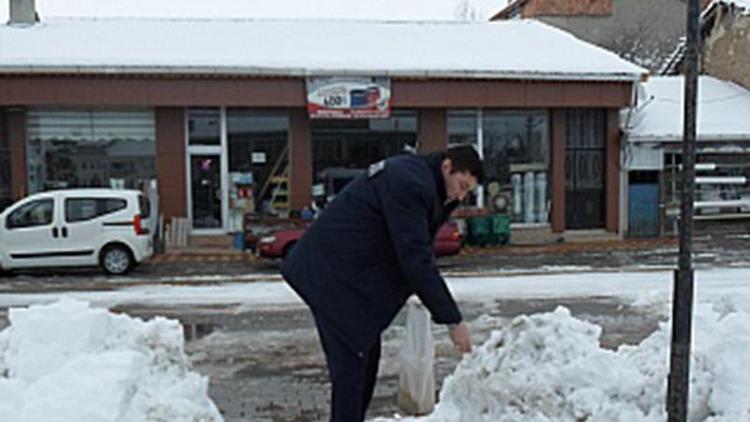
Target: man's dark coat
{"type": "Point", "coordinates": [372, 247]}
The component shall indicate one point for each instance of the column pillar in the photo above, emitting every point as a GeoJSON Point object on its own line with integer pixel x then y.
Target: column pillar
{"type": "Point", "coordinates": [432, 130]}
{"type": "Point", "coordinates": [171, 174]}
{"type": "Point", "coordinates": [300, 159]}
{"type": "Point", "coordinates": [17, 145]}
{"type": "Point", "coordinates": [557, 182]}
{"type": "Point", "coordinates": [613, 171]}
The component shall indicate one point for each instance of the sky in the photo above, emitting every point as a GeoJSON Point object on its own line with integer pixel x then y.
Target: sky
{"type": "Point", "coordinates": [302, 9]}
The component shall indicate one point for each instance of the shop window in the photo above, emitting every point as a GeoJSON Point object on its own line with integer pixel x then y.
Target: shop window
{"type": "Point", "coordinates": [90, 148]}
{"type": "Point", "coordinates": [463, 129]}
{"type": "Point", "coordinates": [204, 126]}
{"type": "Point", "coordinates": [342, 149]}
{"type": "Point", "coordinates": [5, 185]}
{"type": "Point", "coordinates": [516, 152]}
{"type": "Point", "coordinates": [258, 143]}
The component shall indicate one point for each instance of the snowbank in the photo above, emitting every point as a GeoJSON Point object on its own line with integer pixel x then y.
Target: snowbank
{"type": "Point", "coordinates": [550, 367]}
{"type": "Point", "coordinates": [70, 362]}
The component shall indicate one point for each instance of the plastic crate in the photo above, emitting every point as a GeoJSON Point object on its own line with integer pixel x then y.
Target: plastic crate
{"type": "Point", "coordinates": [479, 230]}
{"type": "Point", "coordinates": [499, 229]}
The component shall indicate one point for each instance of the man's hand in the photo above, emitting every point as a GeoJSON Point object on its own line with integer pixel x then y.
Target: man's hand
{"type": "Point", "coordinates": [461, 337]}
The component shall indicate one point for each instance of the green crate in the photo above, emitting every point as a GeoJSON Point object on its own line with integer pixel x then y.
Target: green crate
{"type": "Point", "coordinates": [499, 229]}
{"type": "Point", "coordinates": [479, 230]}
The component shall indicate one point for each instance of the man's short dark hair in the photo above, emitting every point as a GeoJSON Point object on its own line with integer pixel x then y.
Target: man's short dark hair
{"type": "Point", "coordinates": [466, 158]}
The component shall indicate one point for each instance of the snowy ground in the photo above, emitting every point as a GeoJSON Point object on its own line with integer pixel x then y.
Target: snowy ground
{"type": "Point", "coordinates": [606, 359]}
{"type": "Point", "coordinates": [551, 367]}
{"type": "Point", "coordinates": [68, 362]}
{"type": "Point", "coordinates": [643, 287]}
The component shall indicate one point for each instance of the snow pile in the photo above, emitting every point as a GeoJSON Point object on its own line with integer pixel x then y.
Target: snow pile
{"type": "Point", "coordinates": [550, 367]}
{"type": "Point", "coordinates": [70, 362]}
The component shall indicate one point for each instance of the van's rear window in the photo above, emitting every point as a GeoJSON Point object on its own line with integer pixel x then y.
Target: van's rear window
{"type": "Point", "coordinates": [145, 206]}
{"type": "Point", "coordinates": [82, 209]}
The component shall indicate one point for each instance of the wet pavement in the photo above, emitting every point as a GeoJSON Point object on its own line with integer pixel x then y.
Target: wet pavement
{"type": "Point", "coordinates": [188, 268]}
{"type": "Point", "coordinates": [266, 365]}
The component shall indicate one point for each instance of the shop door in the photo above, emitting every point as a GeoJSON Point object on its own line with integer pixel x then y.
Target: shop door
{"type": "Point", "coordinates": [206, 191]}
{"type": "Point", "coordinates": [643, 210]}
{"type": "Point", "coordinates": [585, 164]}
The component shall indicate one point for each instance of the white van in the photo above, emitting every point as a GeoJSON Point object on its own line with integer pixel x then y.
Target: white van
{"type": "Point", "coordinates": [77, 227]}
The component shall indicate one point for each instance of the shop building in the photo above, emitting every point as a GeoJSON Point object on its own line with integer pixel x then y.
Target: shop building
{"type": "Point", "coordinates": [652, 156]}
{"type": "Point", "coordinates": [226, 117]}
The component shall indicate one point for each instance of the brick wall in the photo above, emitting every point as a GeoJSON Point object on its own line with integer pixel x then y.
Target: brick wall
{"type": "Point", "coordinates": [567, 8]}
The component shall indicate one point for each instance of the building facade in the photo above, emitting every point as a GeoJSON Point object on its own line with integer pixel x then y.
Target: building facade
{"type": "Point", "coordinates": [221, 141]}
{"type": "Point", "coordinates": [652, 157]}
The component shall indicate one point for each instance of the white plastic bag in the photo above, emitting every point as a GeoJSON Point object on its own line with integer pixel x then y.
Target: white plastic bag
{"type": "Point", "coordinates": [416, 382]}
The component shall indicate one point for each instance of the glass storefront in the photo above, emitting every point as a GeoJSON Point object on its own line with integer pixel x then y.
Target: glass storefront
{"type": "Point", "coordinates": [258, 146]}
{"type": "Point", "coordinates": [239, 165]}
{"type": "Point", "coordinates": [205, 180]}
{"type": "Point", "coordinates": [463, 129]}
{"type": "Point", "coordinates": [516, 151]}
{"type": "Point", "coordinates": [5, 184]}
{"type": "Point", "coordinates": [342, 149]}
{"type": "Point", "coordinates": [204, 126]}
{"type": "Point", "coordinates": [90, 148]}
{"type": "Point", "coordinates": [206, 166]}
{"type": "Point", "coordinates": [515, 146]}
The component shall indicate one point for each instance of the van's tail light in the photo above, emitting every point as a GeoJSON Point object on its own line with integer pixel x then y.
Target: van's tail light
{"type": "Point", "coordinates": [456, 235]}
{"type": "Point", "coordinates": [140, 229]}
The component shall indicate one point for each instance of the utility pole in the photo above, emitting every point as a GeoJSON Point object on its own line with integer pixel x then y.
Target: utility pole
{"type": "Point", "coordinates": [682, 305]}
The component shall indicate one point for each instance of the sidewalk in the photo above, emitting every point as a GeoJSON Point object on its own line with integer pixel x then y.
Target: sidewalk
{"type": "Point", "coordinates": [472, 259]}
{"type": "Point", "coordinates": [214, 254]}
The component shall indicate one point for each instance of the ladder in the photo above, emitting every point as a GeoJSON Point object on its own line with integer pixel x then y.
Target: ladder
{"type": "Point", "coordinates": [278, 183]}
{"type": "Point", "coordinates": [280, 190]}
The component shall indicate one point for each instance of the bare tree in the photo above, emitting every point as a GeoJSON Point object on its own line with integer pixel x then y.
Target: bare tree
{"type": "Point", "coordinates": [466, 12]}
{"type": "Point", "coordinates": [643, 41]}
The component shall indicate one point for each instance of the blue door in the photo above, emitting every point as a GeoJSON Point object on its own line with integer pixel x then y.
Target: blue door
{"type": "Point", "coordinates": [643, 210]}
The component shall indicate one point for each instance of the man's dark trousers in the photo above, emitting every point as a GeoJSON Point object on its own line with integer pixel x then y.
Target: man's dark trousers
{"type": "Point", "coordinates": [353, 375]}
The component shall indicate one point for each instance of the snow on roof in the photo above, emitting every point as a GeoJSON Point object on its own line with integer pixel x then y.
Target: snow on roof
{"type": "Point", "coordinates": [512, 50]}
{"type": "Point", "coordinates": [723, 110]}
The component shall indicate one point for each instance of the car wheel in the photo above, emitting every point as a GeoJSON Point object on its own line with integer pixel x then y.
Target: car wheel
{"type": "Point", "coordinates": [117, 260]}
{"type": "Point", "coordinates": [287, 249]}
{"type": "Point", "coordinates": [5, 273]}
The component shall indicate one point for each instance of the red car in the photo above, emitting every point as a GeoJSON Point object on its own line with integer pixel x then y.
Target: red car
{"type": "Point", "coordinates": [278, 244]}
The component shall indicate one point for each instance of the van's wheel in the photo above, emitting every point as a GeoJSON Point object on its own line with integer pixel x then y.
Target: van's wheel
{"type": "Point", "coordinates": [5, 273]}
{"type": "Point", "coordinates": [287, 249]}
{"type": "Point", "coordinates": [117, 260]}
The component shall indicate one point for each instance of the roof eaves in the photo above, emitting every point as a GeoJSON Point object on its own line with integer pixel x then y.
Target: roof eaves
{"type": "Point", "coordinates": [302, 72]}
